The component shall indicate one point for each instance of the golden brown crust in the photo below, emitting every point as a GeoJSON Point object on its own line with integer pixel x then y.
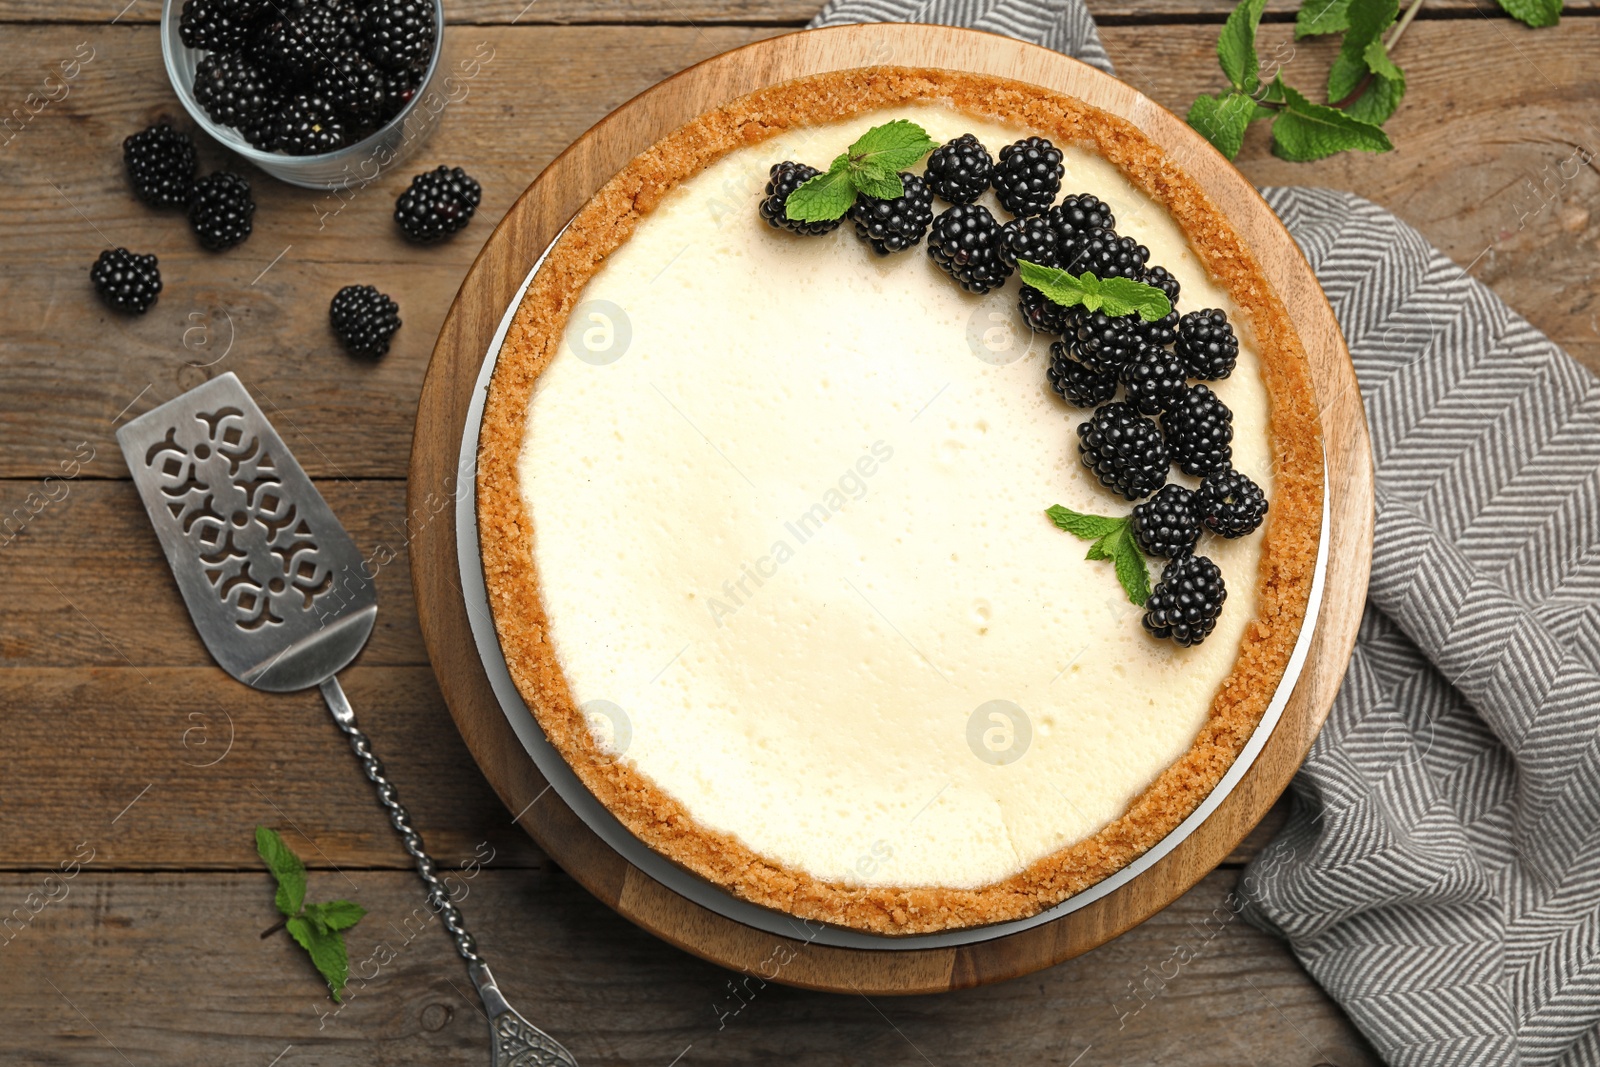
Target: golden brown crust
{"type": "Point", "coordinates": [1289, 546]}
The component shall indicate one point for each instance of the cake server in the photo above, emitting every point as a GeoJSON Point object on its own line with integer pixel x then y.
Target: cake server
{"type": "Point", "coordinates": [283, 600]}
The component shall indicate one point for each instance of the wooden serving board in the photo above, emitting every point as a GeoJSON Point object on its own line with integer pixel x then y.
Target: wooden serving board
{"type": "Point", "coordinates": [492, 283]}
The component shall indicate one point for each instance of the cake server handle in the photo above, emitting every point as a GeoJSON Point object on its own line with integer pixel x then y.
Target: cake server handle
{"type": "Point", "coordinates": [515, 1040]}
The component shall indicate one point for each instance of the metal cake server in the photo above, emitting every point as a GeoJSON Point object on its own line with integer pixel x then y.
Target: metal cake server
{"type": "Point", "coordinates": [283, 600]}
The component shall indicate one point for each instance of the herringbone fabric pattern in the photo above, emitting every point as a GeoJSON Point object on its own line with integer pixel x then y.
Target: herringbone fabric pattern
{"type": "Point", "coordinates": [1440, 874]}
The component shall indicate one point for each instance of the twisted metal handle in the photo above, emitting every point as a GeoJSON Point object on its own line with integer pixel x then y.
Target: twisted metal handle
{"type": "Point", "coordinates": [438, 895]}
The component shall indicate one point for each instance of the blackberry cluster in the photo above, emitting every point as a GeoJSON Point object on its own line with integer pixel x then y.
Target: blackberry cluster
{"type": "Point", "coordinates": [126, 282]}
{"type": "Point", "coordinates": [1044, 315]}
{"type": "Point", "coordinates": [783, 179]}
{"type": "Point", "coordinates": [1153, 379]}
{"type": "Point", "coordinates": [1165, 525]}
{"type": "Point", "coordinates": [161, 164]}
{"type": "Point", "coordinates": [364, 320]}
{"type": "Point", "coordinates": [1163, 332]}
{"type": "Point", "coordinates": [1076, 383]}
{"type": "Point", "coordinates": [965, 243]}
{"type": "Point", "coordinates": [1028, 176]}
{"type": "Point", "coordinates": [437, 204]}
{"type": "Point", "coordinates": [1206, 344]}
{"type": "Point", "coordinates": [1031, 238]}
{"type": "Point", "coordinates": [1187, 601]}
{"type": "Point", "coordinates": [1229, 503]}
{"type": "Point", "coordinates": [1124, 450]}
{"type": "Point", "coordinates": [895, 225]}
{"type": "Point", "coordinates": [221, 210]}
{"type": "Point", "coordinates": [1105, 255]}
{"type": "Point", "coordinates": [1105, 343]}
{"type": "Point", "coordinates": [959, 171]}
{"type": "Point", "coordinates": [1199, 431]}
{"type": "Point", "coordinates": [308, 76]}
{"type": "Point", "coordinates": [1080, 213]}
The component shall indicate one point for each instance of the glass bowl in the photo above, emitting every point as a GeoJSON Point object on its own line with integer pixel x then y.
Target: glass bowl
{"type": "Point", "coordinates": [350, 166]}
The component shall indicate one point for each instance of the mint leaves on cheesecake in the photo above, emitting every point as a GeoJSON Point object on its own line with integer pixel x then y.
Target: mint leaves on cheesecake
{"type": "Point", "coordinates": [870, 167]}
{"type": "Point", "coordinates": [1114, 296]}
{"type": "Point", "coordinates": [1113, 540]}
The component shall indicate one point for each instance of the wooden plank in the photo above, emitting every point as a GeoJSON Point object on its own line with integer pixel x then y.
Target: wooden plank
{"type": "Point", "coordinates": [545, 86]}
{"type": "Point", "coordinates": [159, 968]}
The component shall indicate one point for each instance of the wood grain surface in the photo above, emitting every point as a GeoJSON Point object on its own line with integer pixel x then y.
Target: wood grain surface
{"type": "Point", "coordinates": [156, 955]}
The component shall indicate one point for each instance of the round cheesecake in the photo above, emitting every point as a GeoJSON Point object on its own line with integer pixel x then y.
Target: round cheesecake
{"type": "Point", "coordinates": [764, 532]}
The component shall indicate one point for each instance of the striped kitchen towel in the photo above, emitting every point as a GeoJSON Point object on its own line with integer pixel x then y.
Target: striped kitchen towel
{"type": "Point", "coordinates": [1440, 871]}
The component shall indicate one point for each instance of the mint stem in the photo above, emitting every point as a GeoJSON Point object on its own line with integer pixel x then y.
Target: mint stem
{"type": "Point", "coordinates": [274, 928]}
{"type": "Point", "coordinates": [1388, 49]}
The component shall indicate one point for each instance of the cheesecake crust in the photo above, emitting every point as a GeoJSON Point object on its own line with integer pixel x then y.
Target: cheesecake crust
{"type": "Point", "coordinates": [1290, 537]}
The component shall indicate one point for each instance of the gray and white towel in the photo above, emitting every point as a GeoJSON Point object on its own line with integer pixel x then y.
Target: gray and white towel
{"type": "Point", "coordinates": [1440, 872]}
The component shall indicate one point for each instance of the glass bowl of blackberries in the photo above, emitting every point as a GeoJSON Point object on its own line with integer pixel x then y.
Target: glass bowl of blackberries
{"type": "Point", "coordinates": [325, 94]}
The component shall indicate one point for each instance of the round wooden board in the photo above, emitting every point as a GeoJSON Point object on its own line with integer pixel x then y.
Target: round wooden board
{"type": "Point", "coordinates": [492, 283]}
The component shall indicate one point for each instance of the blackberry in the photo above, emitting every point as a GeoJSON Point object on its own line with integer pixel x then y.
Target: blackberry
{"type": "Point", "coordinates": [1029, 238]}
{"type": "Point", "coordinates": [784, 178]}
{"type": "Point", "coordinates": [1206, 344]}
{"type": "Point", "coordinates": [1104, 254]}
{"type": "Point", "coordinates": [895, 225]}
{"type": "Point", "coordinates": [219, 25]}
{"type": "Point", "coordinates": [399, 86]}
{"type": "Point", "coordinates": [1124, 450]}
{"type": "Point", "coordinates": [1105, 343]}
{"type": "Point", "coordinates": [221, 210]}
{"type": "Point", "coordinates": [355, 87]}
{"type": "Point", "coordinates": [438, 203]}
{"type": "Point", "coordinates": [1229, 503]}
{"type": "Point", "coordinates": [1075, 383]}
{"type": "Point", "coordinates": [1153, 379]}
{"type": "Point", "coordinates": [965, 243]}
{"type": "Point", "coordinates": [1079, 214]}
{"type": "Point", "coordinates": [301, 43]}
{"type": "Point", "coordinates": [126, 282]}
{"type": "Point", "coordinates": [398, 33]}
{"type": "Point", "coordinates": [1162, 279]}
{"type": "Point", "coordinates": [1199, 429]}
{"type": "Point", "coordinates": [959, 171]}
{"type": "Point", "coordinates": [308, 126]}
{"type": "Point", "coordinates": [1044, 315]}
{"type": "Point", "coordinates": [236, 92]}
{"type": "Point", "coordinates": [364, 320]}
{"type": "Point", "coordinates": [1185, 604]}
{"type": "Point", "coordinates": [1165, 525]}
{"type": "Point", "coordinates": [161, 165]}
{"type": "Point", "coordinates": [1029, 176]}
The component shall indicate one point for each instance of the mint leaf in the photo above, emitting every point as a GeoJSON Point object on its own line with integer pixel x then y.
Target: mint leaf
{"type": "Point", "coordinates": [1236, 46]}
{"type": "Point", "coordinates": [1113, 540]}
{"type": "Point", "coordinates": [1124, 296]}
{"type": "Point", "coordinates": [336, 914]}
{"type": "Point", "coordinates": [1384, 95]}
{"type": "Point", "coordinates": [286, 868]}
{"type": "Point", "coordinates": [1317, 17]}
{"type": "Point", "coordinates": [1369, 19]}
{"type": "Point", "coordinates": [880, 186]}
{"type": "Point", "coordinates": [1223, 121]}
{"type": "Point", "coordinates": [1535, 13]}
{"type": "Point", "coordinates": [1114, 296]}
{"type": "Point", "coordinates": [327, 951]}
{"type": "Point", "coordinates": [1305, 131]}
{"type": "Point", "coordinates": [823, 198]}
{"type": "Point", "coordinates": [891, 147]}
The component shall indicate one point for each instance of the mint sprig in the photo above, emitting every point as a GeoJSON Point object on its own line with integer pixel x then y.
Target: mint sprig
{"type": "Point", "coordinates": [317, 928]}
{"type": "Point", "coordinates": [870, 167]}
{"type": "Point", "coordinates": [1114, 296]}
{"type": "Point", "coordinates": [1113, 540]}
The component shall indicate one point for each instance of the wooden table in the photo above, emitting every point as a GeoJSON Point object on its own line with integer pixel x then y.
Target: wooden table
{"type": "Point", "coordinates": [125, 745]}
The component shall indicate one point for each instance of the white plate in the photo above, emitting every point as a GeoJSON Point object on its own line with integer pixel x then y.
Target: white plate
{"type": "Point", "coordinates": [565, 782]}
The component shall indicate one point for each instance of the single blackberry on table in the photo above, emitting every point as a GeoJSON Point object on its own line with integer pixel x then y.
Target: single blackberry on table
{"type": "Point", "coordinates": [782, 180]}
{"type": "Point", "coordinates": [959, 170]}
{"type": "Point", "coordinates": [236, 92]}
{"type": "Point", "coordinates": [1081, 213]}
{"type": "Point", "coordinates": [398, 33]}
{"type": "Point", "coordinates": [300, 43]}
{"type": "Point", "coordinates": [438, 203]}
{"type": "Point", "coordinates": [364, 320]}
{"type": "Point", "coordinates": [1029, 238]}
{"type": "Point", "coordinates": [1153, 379]}
{"type": "Point", "coordinates": [220, 213]}
{"type": "Point", "coordinates": [161, 165]}
{"type": "Point", "coordinates": [1229, 503]}
{"type": "Point", "coordinates": [354, 86]}
{"type": "Point", "coordinates": [965, 242]}
{"type": "Point", "coordinates": [1105, 343]}
{"type": "Point", "coordinates": [1206, 344]}
{"type": "Point", "coordinates": [1044, 315]}
{"type": "Point", "coordinates": [1104, 254]}
{"type": "Point", "coordinates": [125, 281]}
{"type": "Point", "coordinates": [1028, 176]}
{"type": "Point", "coordinates": [308, 125]}
{"type": "Point", "coordinates": [1199, 430]}
{"type": "Point", "coordinates": [895, 225]}
{"type": "Point", "coordinates": [1187, 600]}
{"type": "Point", "coordinates": [1124, 450]}
{"type": "Point", "coordinates": [1075, 383]}
{"type": "Point", "coordinates": [1165, 525]}
{"type": "Point", "coordinates": [220, 25]}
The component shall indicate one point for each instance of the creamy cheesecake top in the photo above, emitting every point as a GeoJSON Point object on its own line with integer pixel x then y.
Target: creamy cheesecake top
{"type": "Point", "coordinates": [787, 503]}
